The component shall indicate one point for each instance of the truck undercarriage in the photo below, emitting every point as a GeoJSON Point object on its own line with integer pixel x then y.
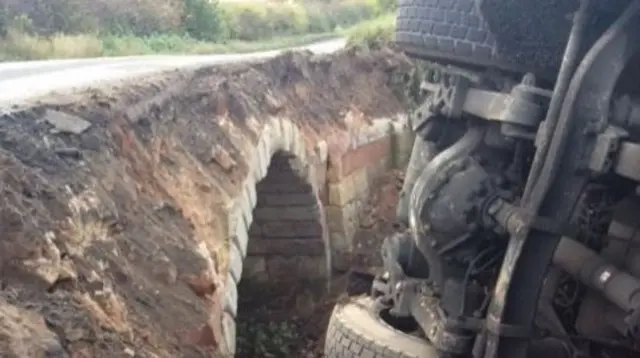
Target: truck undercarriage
{"type": "Point", "coordinates": [521, 198]}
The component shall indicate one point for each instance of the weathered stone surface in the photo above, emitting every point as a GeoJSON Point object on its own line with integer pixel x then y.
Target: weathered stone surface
{"type": "Point", "coordinates": [66, 123]}
{"type": "Point", "coordinates": [24, 333]}
{"type": "Point", "coordinates": [292, 268]}
{"type": "Point", "coordinates": [202, 285]}
{"type": "Point", "coordinates": [287, 247]}
{"type": "Point", "coordinates": [231, 296]}
{"type": "Point", "coordinates": [290, 199]}
{"type": "Point", "coordinates": [291, 229]}
{"type": "Point", "coordinates": [235, 262]}
{"type": "Point", "coordinates": [222, 158]}
{"type": "Point", "coordinates": [229, 332]}
{"type": "Point", "coordinates": [286, 213]}
{"type": "Point", "coordinates": [255, 267]}
{"type": "Point", "coordinates": [342, 192]}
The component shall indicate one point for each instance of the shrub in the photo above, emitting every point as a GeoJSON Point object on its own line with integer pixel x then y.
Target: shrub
{"type": "Point", "coordinates": [18, 45]}
{"type": "Point", "coordinates": [350, 13]}
{"type": "Point", "coordinates": [386, 6]}
{"type": "Point", "coordinates": [373, 33]}
{"type": "Point", "coordinates": [288, 19]}
{"type": "Point", "coordinates": [138, 17]}
{"type": "Point", "coordinates": [141, 17]}
{"type": "Point", "coordinates": [319, 21]}
{"type": "Point", "coordinates": [80, 28]}
{"type": "Point", "coordinates": [249, 22]}
{"type": "Point", "coordinates": [203, 20]}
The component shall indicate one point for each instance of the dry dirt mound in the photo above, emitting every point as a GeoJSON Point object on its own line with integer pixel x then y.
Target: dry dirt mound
{"type": "Point", "coordinates": [113, 200]}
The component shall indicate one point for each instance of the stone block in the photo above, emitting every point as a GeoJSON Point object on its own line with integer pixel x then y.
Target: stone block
{"type": "Point", "coordinates": [361, 182]}
{"type": "Point", "coordinates": [320, 175]}
{"type": "Point", "coordinates": [350, 219]}
{"type": "Point", "coordinates": [340, 260]}
{"type": "Point", "coordinates": [342, 192]}
{"type": "Point", "coordinates": [335, 218]}
{"type": "Point", "coordinates": [231, 296]}
{"type": "Point", "coordinates": [287, 247]}
{"type": "Point", "coordinates": [281, 268]}
{"type": "Point", "coordinates": [255, 230]}
{"type": "Point", "coordinates": [321, 150]}
{"type": "Point", "coordinates": [255, 268]}
{"type": "Point", "coordinates": [282, 187]}
{"type": "Point", "coordinates": [339, 242]}
{"type": "Point", "coordinates": [287, 135]}
{"type": "Point", "coordinates": [286, 213]}
{"type": "Point", "coordinates": [334, 168]}
{"type": "Point", "coordinates": [66, 123]}
{"type": "Point", "coordinates": [292, 229]}
{"type": "Point", "coordinates": [235, 262]}
{"type": "Point", "coordinates": [229, 333]}
{"type": "Point", "coordinates": [364, 156]}
{"type": "Point", "coordinates": [240, 235]}
{"type": "Point", "coordinates": [288, 199]}
{"type": "Point", "coordinates": [244, 204]}
{"type": "Point", "coordinates": [251, 194]}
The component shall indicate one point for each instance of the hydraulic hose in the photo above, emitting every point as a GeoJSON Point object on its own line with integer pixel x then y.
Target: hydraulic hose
{"type": "Point", "coordinates": [596, 272]}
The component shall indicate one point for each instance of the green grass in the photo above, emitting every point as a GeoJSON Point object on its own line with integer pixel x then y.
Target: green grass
{"type": "Point", "coordinates": [372, 33]}
{"type": "Point", "coordinates": [21, 46]}
{"type": "Point", "coordinates": [171, 44]}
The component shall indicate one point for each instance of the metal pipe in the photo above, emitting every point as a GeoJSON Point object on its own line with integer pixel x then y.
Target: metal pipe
{"type": "Point", "coordinates": [567, 68]}
{"type": "Point", "coordinates": [594, 271]}
{"type": "Point", "coordinates": [422, 152]}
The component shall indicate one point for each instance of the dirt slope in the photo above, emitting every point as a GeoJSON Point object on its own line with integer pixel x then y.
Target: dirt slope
{"type": "Point", "coordinates": [113, 200]}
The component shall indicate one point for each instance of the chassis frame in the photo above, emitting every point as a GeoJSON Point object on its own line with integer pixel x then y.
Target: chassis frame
{"type": "Point", "coordinates": [582, 136]}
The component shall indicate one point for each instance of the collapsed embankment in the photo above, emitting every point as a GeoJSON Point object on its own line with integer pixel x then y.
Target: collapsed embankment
{"type": "Point", "coordinates": [129, 214]}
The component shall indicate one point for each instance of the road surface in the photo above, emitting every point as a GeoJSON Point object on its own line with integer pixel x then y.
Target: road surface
{"type": "Point", "coordinates": [22, 81]}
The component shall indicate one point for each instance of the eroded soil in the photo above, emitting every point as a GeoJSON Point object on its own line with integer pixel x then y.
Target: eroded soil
{"type": "Point", "coordinates": [291, 322]}
{"type": "Point", "coordinates": [111, 213]}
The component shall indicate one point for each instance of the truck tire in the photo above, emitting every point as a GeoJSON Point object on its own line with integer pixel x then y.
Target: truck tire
{"type": "Point", "coordinates": [537, 31]}
{"type": "Point", "coordinates": [356, 330]}
{"type": "Point", "coordinates": [455, 31]}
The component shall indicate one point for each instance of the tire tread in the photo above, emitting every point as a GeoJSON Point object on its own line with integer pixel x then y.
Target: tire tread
{"type": "Point", "coordinates": [445, 27]}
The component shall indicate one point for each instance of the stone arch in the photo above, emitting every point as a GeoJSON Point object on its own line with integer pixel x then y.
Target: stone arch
{"type": "Point", "coordinates": [286, 234]}
{"type": "Point", "coordinates": [280, 156]}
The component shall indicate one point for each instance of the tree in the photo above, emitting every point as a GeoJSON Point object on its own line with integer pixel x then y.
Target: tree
{"type": "Point", "coordinates": [203, 20]}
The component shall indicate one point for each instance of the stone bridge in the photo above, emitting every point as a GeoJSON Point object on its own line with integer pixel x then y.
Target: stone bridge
{"type": "Point", "coordinates": [151, 201]}
{"type": "Point", "coordinates": [300, 206]}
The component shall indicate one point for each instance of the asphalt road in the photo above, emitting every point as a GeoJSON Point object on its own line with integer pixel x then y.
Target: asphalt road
{"type": "Point", "coordinates": [22, 81]}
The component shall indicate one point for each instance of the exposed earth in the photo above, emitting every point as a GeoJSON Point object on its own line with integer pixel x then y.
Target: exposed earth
{"type": "Point", "coordinates": [113, 201]}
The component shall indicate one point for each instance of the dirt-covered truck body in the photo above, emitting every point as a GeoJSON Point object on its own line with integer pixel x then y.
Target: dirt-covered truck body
{"type": "Point", "coordinates": [521, 195]}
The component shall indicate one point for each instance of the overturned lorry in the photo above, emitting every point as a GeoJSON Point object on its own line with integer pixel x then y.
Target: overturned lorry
{"type": "Point", "coordinates": [521, 195]}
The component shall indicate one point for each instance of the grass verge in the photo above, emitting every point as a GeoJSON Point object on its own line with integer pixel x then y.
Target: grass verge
{"type": "Point", "coordinates": [16, 45]}
{"type": "Point", "coordinates": [20, 46]}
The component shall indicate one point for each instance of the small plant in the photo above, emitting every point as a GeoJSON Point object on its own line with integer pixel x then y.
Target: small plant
{"type": "Point", "coordinates": [372, 34]}
{"type": "Point", "coordinates": [257, 338]}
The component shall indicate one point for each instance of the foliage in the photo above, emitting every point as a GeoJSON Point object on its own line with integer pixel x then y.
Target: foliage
{"type": "Point", "coordinates": [52, 28]}
{"type": "Point", "coordinates": [262, 338]}
{"type": "Point", "coordinates": [20, 46]}
{"type": "Point", "coordinates": [203, 20]}
{"type": "Point", "coordinates": [373, 33]}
